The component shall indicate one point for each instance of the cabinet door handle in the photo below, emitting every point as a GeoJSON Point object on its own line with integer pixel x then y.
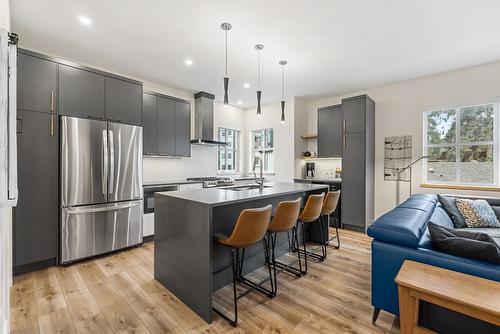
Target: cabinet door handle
{"type": "Point", "coordinates": [52, 125]}
{"type": "Point", "coordinates": [345, 125]}
{"type": "Point", "coordinates": [344, 141]}
{"type": "Point", "coordinates": [52, 101]}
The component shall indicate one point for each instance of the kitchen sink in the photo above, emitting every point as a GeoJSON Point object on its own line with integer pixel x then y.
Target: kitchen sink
{"type": "Point", "coordinates": [246, 187]}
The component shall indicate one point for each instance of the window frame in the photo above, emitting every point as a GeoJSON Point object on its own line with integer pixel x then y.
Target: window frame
{"type": "Point", "coordinates": [264, 150]}
{"type": "Point", "coordinates": [236, 151]}
{"type": "Point", "coordinates": [458, 144]}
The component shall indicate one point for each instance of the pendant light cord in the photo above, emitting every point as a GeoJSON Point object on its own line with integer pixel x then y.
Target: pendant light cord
{"type": "Point", "coordinates": [283, 82]}
{"type": "Point", "coordinates": [258, 69]}
{"type": "Point", "coordinates": [226, 52]}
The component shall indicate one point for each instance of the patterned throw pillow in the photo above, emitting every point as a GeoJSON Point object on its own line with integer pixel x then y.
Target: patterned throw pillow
{"type": "Point", "coordinates": [477, 213]}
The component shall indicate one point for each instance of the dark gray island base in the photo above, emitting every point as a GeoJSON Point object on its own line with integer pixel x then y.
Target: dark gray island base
{"type": "Point", "coordinates": [185, 254]}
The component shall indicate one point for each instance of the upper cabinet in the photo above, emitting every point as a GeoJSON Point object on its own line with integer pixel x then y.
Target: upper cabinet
{"type": "Point", "coordinates": [330, 139]}
{"type": "Point", "coordinates": [81, 93]}
{"type": "Point", "coordinates": [166, 140]}
{"type": "Point", "coordinates": [123, 101]}
{"type": "Point", "coordinates": [355, 115]}
{"type": "Point", "coordinates": [149, 121]}
{"type": "Point", "coordinates": [167, 125]}
{"type": "Point", "coordinates": [182, 128]}
{"type": "Point", "coordinates": [49, 85]}
{"type": "Point", "coordinates": [36, 84]}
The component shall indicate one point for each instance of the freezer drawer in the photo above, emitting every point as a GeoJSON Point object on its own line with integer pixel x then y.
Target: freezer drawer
{"type": "Point", "coordinates": [97, 229]}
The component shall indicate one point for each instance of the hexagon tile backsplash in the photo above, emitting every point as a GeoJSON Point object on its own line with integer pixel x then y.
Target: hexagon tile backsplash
{"type": "Point", "coordinates": [203, 162]}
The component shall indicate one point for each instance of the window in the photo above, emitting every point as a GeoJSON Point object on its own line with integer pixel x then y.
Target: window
{"type": "Point", "coordinates": [228, 155]}
{"type": "Point", "coordinates": [462, 145]}
{"type": "Point", "coordinates": [262, 146]}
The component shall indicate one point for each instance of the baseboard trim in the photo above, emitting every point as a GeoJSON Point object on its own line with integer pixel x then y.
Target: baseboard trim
{"type": "Point", "coordinates": [148, 238]}
{"type": "Point", "coordinates": [26, 268]}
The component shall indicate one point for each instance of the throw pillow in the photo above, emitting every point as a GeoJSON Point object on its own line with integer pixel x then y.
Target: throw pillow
{"type": "Point", "coordinates": [451, 209]}
{"type": "Point", "coordinates": [473, 245]}
{"type": "Point", "coordinates": [477, 213]}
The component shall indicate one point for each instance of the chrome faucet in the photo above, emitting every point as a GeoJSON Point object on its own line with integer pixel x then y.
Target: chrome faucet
{"type": "Point", "coordinates": [258, 160]}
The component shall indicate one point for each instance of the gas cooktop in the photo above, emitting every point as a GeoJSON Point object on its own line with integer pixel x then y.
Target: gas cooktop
{"type": "Point", "coordinates": [213, 181]}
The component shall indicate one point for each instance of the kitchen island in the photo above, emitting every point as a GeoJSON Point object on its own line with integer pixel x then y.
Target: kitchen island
{"type": "Point", "coordinates": [187, 259]}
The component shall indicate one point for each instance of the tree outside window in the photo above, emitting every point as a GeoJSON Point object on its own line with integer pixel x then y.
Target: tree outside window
{"type": "Point", "coordinates": [263, 147]}
{"type": "Point", "coordinates": [462, 145]}
{"type": "Point", "coordinates": [228, 155]}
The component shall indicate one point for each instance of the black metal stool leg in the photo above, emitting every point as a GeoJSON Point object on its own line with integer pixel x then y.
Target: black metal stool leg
{"type": "Point", "coordinates": [234, 264]}
{"type": "Point", "coordinates": [336, 232]}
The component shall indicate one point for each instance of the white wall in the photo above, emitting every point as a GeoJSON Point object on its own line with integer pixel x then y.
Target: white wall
{"type": "Point", "coordinates": [399, 109]}
{"type": "Point", "coordinates": [5, 224]}
{"type": "Point", "coordinates": [284, 154]}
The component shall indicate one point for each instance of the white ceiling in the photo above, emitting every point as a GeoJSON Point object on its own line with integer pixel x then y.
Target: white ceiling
{"type": "Point", "coordinates": [332, 46]}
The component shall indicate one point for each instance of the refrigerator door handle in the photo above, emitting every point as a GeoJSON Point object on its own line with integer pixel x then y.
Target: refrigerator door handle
{"type": "Point", "coordinates": [112, 162]}
{"type": "Point", "coordinates": [93, 209]}
{"type": "Point", "coordinates": [105, 167]}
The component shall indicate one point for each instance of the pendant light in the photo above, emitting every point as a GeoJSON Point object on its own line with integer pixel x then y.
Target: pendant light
{"type": "Point", "coordinates": [283, 63]}
{"type": "Point", "coordinates": [258, 47]}
{"type": "Point", "coordinates": [226, 27]}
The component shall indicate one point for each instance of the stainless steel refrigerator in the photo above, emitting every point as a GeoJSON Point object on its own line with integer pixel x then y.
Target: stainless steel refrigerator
{"type": "Point", "coordinates": [101, 187]}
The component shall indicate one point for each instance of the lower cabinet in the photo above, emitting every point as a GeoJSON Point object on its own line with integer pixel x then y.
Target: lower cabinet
{"type": "Point", "coordinates": [354, 179]}
{"type": "Point", "coordinates": [35, 226]}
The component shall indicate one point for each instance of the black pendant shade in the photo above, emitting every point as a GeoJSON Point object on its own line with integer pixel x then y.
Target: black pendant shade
{"type": "Point", "coordinates": [226, 27]}
{"type": "Point", "coordinates": [259, 94]}
{"type": "Point", "coordinates": [282, 111]}
{"type": "Point", "coordinates": [283, 63]}
{"type": "Point", "coordinates": [226, 87]}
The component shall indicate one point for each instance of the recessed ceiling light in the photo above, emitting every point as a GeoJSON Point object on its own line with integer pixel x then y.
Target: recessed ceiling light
{"type": "Point", "coordinates": [246, 85]}
{"type": "Point", "coordinates": [85, 20]}
{"type": "Point", "coordinates": [240, 102]}
{"type": "Point", "coordinates": [188, 62]}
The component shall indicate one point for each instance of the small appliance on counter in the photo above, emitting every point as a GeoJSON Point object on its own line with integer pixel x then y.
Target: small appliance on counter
{"type": "Point", "coordinates": [310, 169]}
{"type": "Point", "coordinates": [338, 173]}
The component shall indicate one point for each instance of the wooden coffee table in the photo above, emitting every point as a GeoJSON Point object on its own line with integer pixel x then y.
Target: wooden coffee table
{"type": "Point", "coordinates": [474, 296]}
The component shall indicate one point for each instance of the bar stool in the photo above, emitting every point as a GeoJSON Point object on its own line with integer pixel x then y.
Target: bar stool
{"type": "Point", "coordinates": [284, 220]}
{"type": "Point", "coordinates": [250, 228]}
{"type": "Point", "coordinates": [311, 214]}
{"type": "Point", "coordinates": [329, 207]}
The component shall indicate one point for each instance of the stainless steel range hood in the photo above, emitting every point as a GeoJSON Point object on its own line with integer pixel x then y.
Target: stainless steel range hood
{"type": "Point", "coordinates": [204, 120]}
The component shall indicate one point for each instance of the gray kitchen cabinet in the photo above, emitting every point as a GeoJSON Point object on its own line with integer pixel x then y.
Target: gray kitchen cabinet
{"type": "Point", "coordinates": [353, 180]}
{"type": "Point", "coordinates": [166, 125]}
{"type": "Point", "coordinates": [35, 225]}
{"type": "Point", "coordinates": [325, 133]}
{"type": "Point", "coordinates": [358, 160]}
{"type": "Point", "coordinates": [81, 93]}
{"type": "Point", "coordinates": [123, 101]}
{"type": "Point", "coordinates": [183, 129]}
{"type": "Point", "coordinates": [149, 124]}
{"type": "Point", "coordinates": [36, 83]}
{"type": "Point", "coordinates": [166, 135]}
{"type": "Point", "coordinates": [355, 119]}
{"type": "Point", "coordinates": [330, 132]}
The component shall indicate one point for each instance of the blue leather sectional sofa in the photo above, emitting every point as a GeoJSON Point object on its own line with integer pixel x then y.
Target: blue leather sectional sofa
{"type": "Point", "coordinates": [402, 234]}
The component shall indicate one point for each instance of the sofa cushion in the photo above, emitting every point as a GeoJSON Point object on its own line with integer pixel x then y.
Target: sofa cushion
{"type": "Point", "coordinates": [477, 213]}
{"type": "Point", "coordinates": [405, 224]}
{"type": "Point", "coordinates": [439, 217]}
{"type": "Point", "coordinates": [470, 244]}
{"type": "Point", "coordinates": [451, 209]}
{"type": "Point", "coordinates": [492, 232]}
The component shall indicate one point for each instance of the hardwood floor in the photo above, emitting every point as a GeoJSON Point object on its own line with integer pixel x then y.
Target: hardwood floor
{"type": "Point", "coordinates": [118, 294]}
